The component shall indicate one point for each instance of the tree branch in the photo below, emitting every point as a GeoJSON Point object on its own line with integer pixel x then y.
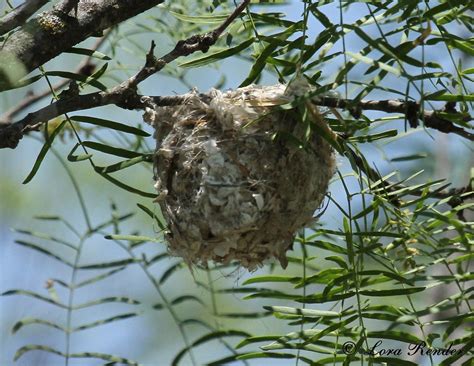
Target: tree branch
{"type": "Point", "coordinates": [19, 15]}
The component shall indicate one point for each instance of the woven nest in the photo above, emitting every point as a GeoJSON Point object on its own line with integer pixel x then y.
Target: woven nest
{"type": "Point", "coordinates": [233, 185]}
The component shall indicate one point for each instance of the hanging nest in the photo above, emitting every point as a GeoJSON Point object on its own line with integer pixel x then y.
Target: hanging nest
{"type": "Point", "coordinates": [235, 183]}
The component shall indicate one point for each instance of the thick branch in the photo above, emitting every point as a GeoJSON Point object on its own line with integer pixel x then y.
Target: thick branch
{"type": "Point", "coordinates": [60, 31]}
{"type": "Point", "coordinates": [19, 15]}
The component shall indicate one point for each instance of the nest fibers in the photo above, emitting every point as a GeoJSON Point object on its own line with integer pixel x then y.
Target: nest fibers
{"type": "Point", "coordinates": [228, 188]}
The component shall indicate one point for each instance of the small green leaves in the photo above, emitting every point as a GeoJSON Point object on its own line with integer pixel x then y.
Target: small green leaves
{"type": "Point", "coordinates": [102, 356]}
{"type": "Point", "coordinates": [160, 222]}
{"type": "Point", "coordinates": [206, 338]}
{"type": "Point", "coordinates": [120, 165]}
{"type": "Point", "coordinates": [257, 339]}
{"type": "Point", "coordinates": [99, 277]}
{"type": "Point", "coordinates": [111, 125]}
{"type": "Point", "coordinates": [219, 55]}
{"type": "Point", "coordinates": [374, 137]}
{"type": "Point", "coordinates": [29, 321]}
{"type": "Point", "coordinates": [254, 355]}
{"type": "Point", "coordinates": [45, 236]}
{"type": "Point", "coordinates": [409, 157]}
{"type": "Point", "coordinates": [377, 64]}
{"type": "Point", "coordinates": [35, 347]}
{"type": "Point", "coordinates": [107, 149]}
{"type": "Point", "coordinates": [77, 77]}
{"type": "Point", "coordinates": [184, 298]}
{"type": "Point", "coordinates": [110, 264]}
{"type": "Point", "coordinates": [131, 238]}
{"type": "Point", "coordinates": [303, 312]}
{"type": "Point", "coordinates": [392, 292]}
{"type": "Point", "coordinates": [34, 295]}
{"type": "Point", "coordinates": [104, 321]}
{"type": "Point", "coordinates": [87, 52]}
{"type": "Point", "coordinates": [44, 151]}
{"type": "Point", "coordinates": [452, 97]}
{"type": "Point", "coordinates": [202, 19]}
{"type": "Point", "coordinates": [270, 278]}
{"type": "Point", "coordinates": [106, 300]}
{"type": "Point", "coordinates": [45, 251]}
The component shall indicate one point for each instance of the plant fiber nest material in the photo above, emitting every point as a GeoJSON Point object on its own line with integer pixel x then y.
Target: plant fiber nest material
{"type": "Point", "coordinates": [233, 185]}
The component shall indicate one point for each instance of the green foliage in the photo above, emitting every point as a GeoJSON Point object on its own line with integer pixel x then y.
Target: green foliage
{"type": "Point", "coordinates": [393, 266]}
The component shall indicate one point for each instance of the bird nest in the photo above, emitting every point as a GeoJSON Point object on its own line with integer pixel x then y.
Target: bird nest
{"type": "Point", "coordinates": [236, 177]}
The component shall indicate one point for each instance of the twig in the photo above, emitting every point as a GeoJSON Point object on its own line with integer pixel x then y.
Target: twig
{"type": "Point", "coordinates": [19, 15]}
